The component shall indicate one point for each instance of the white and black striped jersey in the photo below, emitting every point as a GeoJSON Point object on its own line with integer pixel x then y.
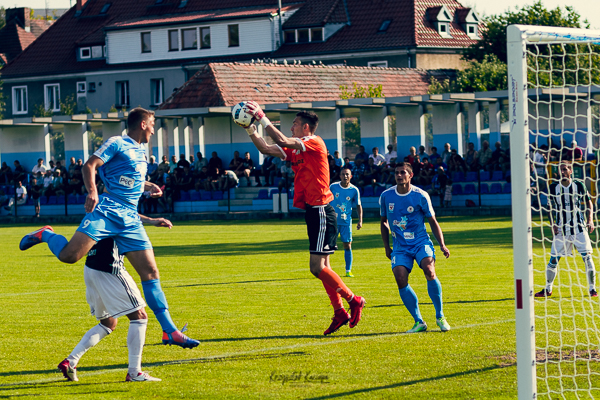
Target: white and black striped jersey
{"type": "Point", "coordinates": [569, 204]}
{"type": "Point", "coordinates": [104, 256]}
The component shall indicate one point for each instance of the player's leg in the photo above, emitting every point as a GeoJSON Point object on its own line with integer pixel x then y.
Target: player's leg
{"type": "Point", "coordinates": [145, 264]}
{"type": "Point", "coordinates": [426, 259]}
{"type": "Point", "coordinates": [67, 251]}
{"type": "Point", "coordinates": [584, 247]}
{"type": "Point", "coordinates": [559, 247]}
{"type": "Point", "coordinates": [407, 294]}
{"type": "Point", "coordinates": [136, 336]}
{"type": "Point", "coordinates": [346, 237]}
{"type": "Point", "coordinates": [340, 316]}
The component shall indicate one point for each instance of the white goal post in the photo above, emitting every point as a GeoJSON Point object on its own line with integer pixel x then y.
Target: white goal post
{"type": "Point", "coordinates": [553, 99]}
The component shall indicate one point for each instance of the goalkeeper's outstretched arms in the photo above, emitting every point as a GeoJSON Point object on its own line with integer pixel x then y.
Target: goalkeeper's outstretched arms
{"type": "Point", "coordinates": [279, 138]}
{"type": "Point", "coordinates": [262, 146]}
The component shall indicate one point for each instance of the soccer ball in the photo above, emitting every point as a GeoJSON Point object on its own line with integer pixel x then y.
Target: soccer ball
{"type": "Point", "coordinates": [240, 116]}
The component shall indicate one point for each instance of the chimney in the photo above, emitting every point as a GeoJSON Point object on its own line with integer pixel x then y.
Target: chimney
{"type": "Point", "coordinates": [80, 4]}
{"type": "Point", "coordinates": [21, 15]}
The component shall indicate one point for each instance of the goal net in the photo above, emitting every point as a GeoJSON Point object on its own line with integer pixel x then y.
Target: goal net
{"type": "Point", "coordinates": [554, 92]}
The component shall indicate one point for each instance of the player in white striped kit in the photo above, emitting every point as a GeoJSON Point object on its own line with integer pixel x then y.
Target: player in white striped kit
{"type": "Point", "coordinates": [570, 227]}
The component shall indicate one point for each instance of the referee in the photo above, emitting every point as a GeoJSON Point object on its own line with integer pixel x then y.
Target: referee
{"type": "Point", "coordinates": [308, 155]}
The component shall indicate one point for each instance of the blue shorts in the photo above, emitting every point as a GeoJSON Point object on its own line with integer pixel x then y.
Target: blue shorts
{"type": "Point", "coordinates": [121, 222]}
{"type": "Point", "coordinates": [406, 256]}
{"type": "Point", "coordinates": [345, 233]}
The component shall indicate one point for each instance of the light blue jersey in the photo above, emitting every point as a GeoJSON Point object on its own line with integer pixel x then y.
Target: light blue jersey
{"type": "Point", "coordinates": [344, 200]}
{"type": "Point", "coordinates": [124, 169]}
{"type": "Point", "coordinates": [406, 215]}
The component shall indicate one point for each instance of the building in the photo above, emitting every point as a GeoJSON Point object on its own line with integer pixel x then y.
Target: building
{"type": "Point", "coordinates": [19, 32]}
{"type": "Point", "coordinates": [103, 54]}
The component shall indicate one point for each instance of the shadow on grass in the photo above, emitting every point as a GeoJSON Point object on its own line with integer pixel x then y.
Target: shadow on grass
{"type": "Point", "coordinates": [447, 302]}
{"type": "Point", "coordinates": [240, 282]}
{"type": "Point", "coordinates": [408, 383]}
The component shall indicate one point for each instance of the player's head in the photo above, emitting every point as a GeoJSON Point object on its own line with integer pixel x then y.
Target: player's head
{"type": "Point", "coordinates": [305, 124]}
{"type": "Point", "coordinates": [403, 173]}
{"type": "Point", "coordinates": [566, 169]}
{"type": "Point", "coordinates": [345, 175]}
{"type": "Point", "coordinates": [140, 123]}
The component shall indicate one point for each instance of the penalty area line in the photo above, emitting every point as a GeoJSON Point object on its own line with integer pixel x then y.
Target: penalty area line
{"type": "Point", "coordinates": [264, 350]}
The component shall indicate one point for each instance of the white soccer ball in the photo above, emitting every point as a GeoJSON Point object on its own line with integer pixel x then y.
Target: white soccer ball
{"type": "Point", "coordinates": [240, 116]}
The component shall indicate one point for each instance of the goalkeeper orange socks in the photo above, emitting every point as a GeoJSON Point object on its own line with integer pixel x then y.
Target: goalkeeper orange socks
{"type": "Point", "coordinates": [336, 300]}
{"type": "Point", "coordinates": [331, 279]}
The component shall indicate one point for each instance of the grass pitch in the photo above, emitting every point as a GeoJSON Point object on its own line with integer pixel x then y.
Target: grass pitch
{"type": "Point", "coordinates": [246, 291]}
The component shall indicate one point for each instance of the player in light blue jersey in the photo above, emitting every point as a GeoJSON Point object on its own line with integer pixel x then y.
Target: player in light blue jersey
{"type": "Point", "coordinates": [346, 197]}
{"type": "Point", "coordinates": [122, 164]}
{"type": "Point", "coordinates": [403, 211]}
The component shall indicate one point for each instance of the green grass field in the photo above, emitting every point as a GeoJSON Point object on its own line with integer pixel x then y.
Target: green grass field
{"type": "Point", "coordinates": [245, 289]}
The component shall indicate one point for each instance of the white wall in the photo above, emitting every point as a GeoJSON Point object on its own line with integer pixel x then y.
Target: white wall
{"type": "Point", "coordinates": [124, 46]}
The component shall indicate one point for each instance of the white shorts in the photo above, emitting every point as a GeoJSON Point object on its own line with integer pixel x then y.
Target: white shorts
{"type": "Point", "coordinates": [111, 295]}
{"type": "Point", "coordinates": [563, 245]}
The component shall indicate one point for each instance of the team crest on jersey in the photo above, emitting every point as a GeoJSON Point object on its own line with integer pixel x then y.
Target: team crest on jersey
{"type": "Point", "coordinates": [348, 198]}
{"type": "Point", "coordinates": [337, 195]}
{"type": "Point", "coordinates": [410, 209]}
{"type": "Point", "coordinates": [391, 207]}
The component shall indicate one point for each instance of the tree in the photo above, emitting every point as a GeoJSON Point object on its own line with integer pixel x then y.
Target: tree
{"type": "Point", "coordinates": [490, 74]}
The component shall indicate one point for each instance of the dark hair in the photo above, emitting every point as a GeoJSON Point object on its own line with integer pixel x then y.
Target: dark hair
{"type": "Point", "coordinates": [310, 118]}
{"type": "Point", "coordinates": [346, 167]}
{"type": "Point", "coordinates": [136, 116]}
{"type": "Point", "coordinates": [406, 165]}
{"type": "Point", "coordinates": [434, 148]}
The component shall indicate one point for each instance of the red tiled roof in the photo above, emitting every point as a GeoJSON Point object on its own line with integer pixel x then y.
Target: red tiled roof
{"type": "Point", "coordinates": [3, 59]}
{"type": "Point", "coordinates": [14, 39]}
{"type": "Point", "coordinates": [246, 12]}
{"type": "Point", "coordinates": [426, 33]}
{"type": "Point", "coordinates": [225, 84]}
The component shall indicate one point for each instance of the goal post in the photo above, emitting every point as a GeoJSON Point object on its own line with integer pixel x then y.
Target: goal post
{"type": "Point", "coordinates": [553, 90]}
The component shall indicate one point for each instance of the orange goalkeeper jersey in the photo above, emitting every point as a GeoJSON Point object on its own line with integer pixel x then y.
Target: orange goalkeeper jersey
{"type": "Point", "coordinates": [311, 169]}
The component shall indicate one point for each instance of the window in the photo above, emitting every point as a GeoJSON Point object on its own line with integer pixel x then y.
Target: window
{"type": "Point", "coordinates": [303, 36]}
{"type": "Point", "coordinates": [384, 26]}
{"type": "Point", "coordinates": [85, 52]}
{"type": "Point", "coordinates": [105, 8]}
{"type": "Point", "coordinates": [316, 35]}
{"type": "Point", "coordinates": [122, 90]}
{"type": "Point", "coordinates": [156, 86]}
{"type": "Point", "coordinates": [81, 86]}
{"type": "Point", "coordinates": [205, 38]}
{"type": "Point", "coordinates": [96, 51]}
{"type": "Point", "coordinates": [290, 36]}
{"type": "Point", "coordinates": [52, 97]}
{"type": "Point", "coordinates": [146, 42]}
{"type": "Point", "coordinates": [443, 28]}
{"type": "Point", "coordinates": [471, 29]}
{"type": "Point", "coordinates": [234, 35]}
{"type": "Point", "coordinates": [173, 40]}
{"type": "Point", "coordinates": [189, 40]}
{"type": "Point", "coordinates": [379, 64]}
{"type": "Point", "coordinates": [19, 97]}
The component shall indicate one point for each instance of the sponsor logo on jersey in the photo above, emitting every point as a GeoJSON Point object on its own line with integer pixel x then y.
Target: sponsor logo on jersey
{"type": "Point", "coordinates": [409, 235]}
{"type": "Point", "coordinates": [127, 182]}
{"type": "Point", "coordinates": [403, 222]}
{"type": "Point", "coordinates": [410, 209]}
{"type": "Point", "coordinates": [394, 260]}
{"type": "Point", "coordinates": [391, 207]}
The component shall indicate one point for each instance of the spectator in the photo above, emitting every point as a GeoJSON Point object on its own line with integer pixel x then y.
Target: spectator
{"type": "Point", "coordinates": [422, 153]}
{"type": "Point", "coordinates": [265, 170]}
{"type": "Point", "coordinates": [228, 180]}
{"type": "Point", "coordinates": [426, 173]}
{"type": "Point", "coordinates": [339, 162]}
{"type": "Point", "coordinates": [456, 163]}
{"type": "Point", "coordinates": [75, 184]}
{"type": "Point", "coordinates": [471, 157]}
{"type": "Point", "coordinates": [387, 172]}
{"type": "Point", "coordinates": [186, 181]}
{"type": "Point", "coordinates": [48, 189]}
{"type": "Point", "coordinates": [152, 172]}
{"type": "Point", "coordinates": [438, 185]}
{"type": "Point", "coordinates": [287, 176]}
{"type": "Point", "coordinates": [237, 164]}
{"type": "Point", "coordinates": [51, 165]}
{"type": "Point", "coordinates": [203, 179]}
{"type": "Point", "coordinates": [192, 162]}
{"type": "Point", "coordinates": [434, 155]}
{"type": "Point", "coordinates": [58, 184]}
{"type": "Point", "coordinates": [372, 175]}
{"type": "Point", "coordinates": [19, 173]}
{"type": "Point", "coordinates": [39, 169]}
{"type": "Point", "coordinates": [3, 197]}
{"type": "Point", "coordinates": [440, 163]}
{"type": "Point", "coordinates": [498, 159]}
{"type": "Point", "coordinates": [6, 173]}
{"type": "Point", "coordinates": [412, 152]}
{"type": "Point", "coordinates": [215, 165]}
{"type": "Point", "coordinates": [362, 154]}
{"type": "Point", "coordinates": [347, 162]}
{"type": "Point", "coordinates": [448, 193]}
{"type": "Point", "coordinates": [182, 163]}
{"type": "Point", "coordinates": [485, 155]}
{"type": "Point", "coordinates": [166, 200]}
{"type": "Point", "coordinates": [447, 153]}
{"type": "Point", "coordinates": [21, 198]}
{"type": "Point", "coordinates": [72, 166]}
{"type": "Point", "coordinates": [173, 163]}
{"type": "Point", "coordinates": [248, 167]}
{"type": "Point", "coordinates": [540, 160]}
{"type": "Point", "coordinates": [164, 169]}
{"type": "Point", "coordinates": [200, 162]}
{"type": "Point", "coordinates": [358, 173]}
{"type": "Point", "coordinates": [63, 171]}
{"type": "Point", "coordinates": [36, 193]}
{"type": "Point", "coordinates": [377, 158]}
{"type": "Point", "coordinates": [572, 153]}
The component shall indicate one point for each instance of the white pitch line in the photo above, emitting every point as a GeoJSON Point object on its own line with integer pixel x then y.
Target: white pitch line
{"type": "Point", "coordinates": [268, 349]}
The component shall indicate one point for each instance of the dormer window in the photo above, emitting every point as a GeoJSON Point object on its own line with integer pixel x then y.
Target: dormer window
{"type": "Point", "coordinates": [384, 26]}
{"type": "Point", "coordinates": [441, 18]}
{"type": "Point", "coordinates": [469, 21]}
{"type": "Point", "coordinates": [85, 52]}
{"type": "Point", "coordinates": [105, 8]}
{"type": "Point", "coordinates": [303, 35]}
{"type": "Point", "coordinates": [91, 53]}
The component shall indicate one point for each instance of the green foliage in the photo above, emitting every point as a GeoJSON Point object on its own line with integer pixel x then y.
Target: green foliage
{"type": "Point", "coordinates": [95, 141]}
{"type": "Point", "coordinates": [57, 146]}
{"type": "Point", "coordinates": [493, 36]}
{"type": "Point", "coordinates": [69, 106]}
{"type": "Point", "coordinates": [490, 74]}
{"type": "Point", "coordinates": [40, 111]}
{"type": "Point", "coordinates": [88, 110]}
{"type": "Point", "coordinates": [112, 109]}
{"type": "Point", "coordinates": [361, 92]}
{"type": "Point", "coordinates": [351, 134]}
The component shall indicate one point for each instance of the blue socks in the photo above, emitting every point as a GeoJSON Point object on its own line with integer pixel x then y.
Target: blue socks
{"type": "Point", "coordinates": [348, 258]}
{"type": "Point", "coordinates": [409, 298]}
{"type": "Point", "coordinates": [55, 242]}
{"type": "Point", "coordinates": [157, 302]}
{"type": "Point", "coordinates": [434, 288]}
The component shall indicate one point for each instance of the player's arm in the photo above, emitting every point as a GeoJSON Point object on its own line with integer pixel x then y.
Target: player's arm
{"type": "Point", "coordinates": [384, 227]}
{"type": "Point", "coordinates": [158, 222]}
{"type": "Point", "coordinates": [89, 180]}
{"type": "Point", "coordinates": [153, 188]}
{"type": "Point", "coordinates": [359, 211]}
{"type": "Point", "coordinates": [283, 141]}
{"type": "Point", "coordinates": [262, 146]}
{"type": "Point", "coordinates": [439, 236]}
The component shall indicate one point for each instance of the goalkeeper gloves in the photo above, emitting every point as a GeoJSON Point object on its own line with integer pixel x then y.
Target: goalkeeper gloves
{"type": "Point", "coordinates": [253, 108]}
